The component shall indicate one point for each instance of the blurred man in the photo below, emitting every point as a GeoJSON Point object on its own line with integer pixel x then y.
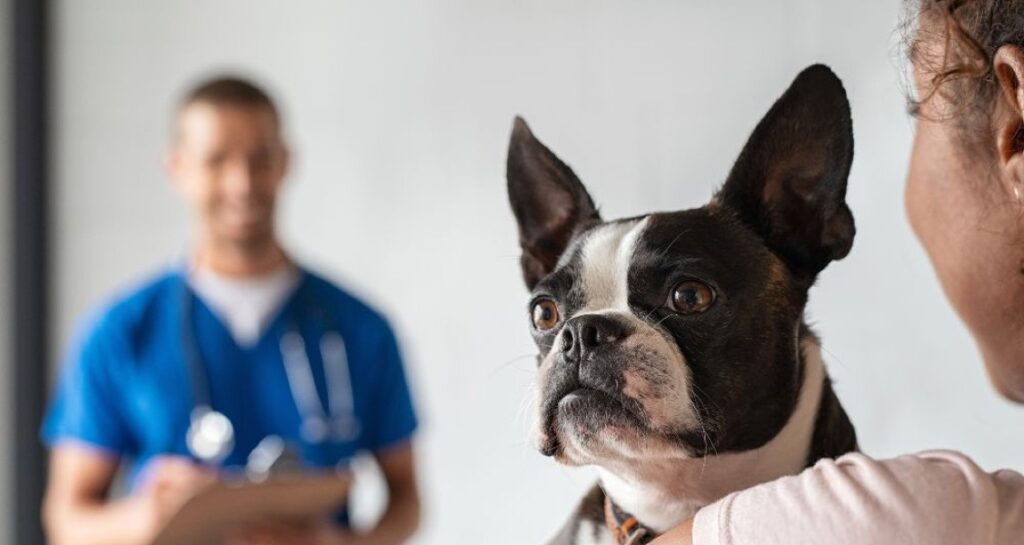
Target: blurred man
{"type": "Point", "coordinates": [186, 375]}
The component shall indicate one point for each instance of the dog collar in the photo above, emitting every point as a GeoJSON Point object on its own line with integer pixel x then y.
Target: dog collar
{"type": "Point", "coordinates": [625, 529]}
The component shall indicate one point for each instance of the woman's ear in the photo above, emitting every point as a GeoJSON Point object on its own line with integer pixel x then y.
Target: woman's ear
{"type": "Point", "coordinates": [1008, 65]}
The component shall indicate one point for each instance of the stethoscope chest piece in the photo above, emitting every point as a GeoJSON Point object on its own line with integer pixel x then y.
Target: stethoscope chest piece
{"type": "Point", "coordinates": [210, 437]}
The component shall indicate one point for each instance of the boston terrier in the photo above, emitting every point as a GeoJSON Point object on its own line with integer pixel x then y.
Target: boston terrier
{"type": "Point", "coordinates": [673, 351]}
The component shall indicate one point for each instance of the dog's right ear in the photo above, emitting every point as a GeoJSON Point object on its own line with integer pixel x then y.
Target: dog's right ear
{"type": "Point", "coordinates": [789, 183]}
{"type": "Point", "coordinates": [548, 200]}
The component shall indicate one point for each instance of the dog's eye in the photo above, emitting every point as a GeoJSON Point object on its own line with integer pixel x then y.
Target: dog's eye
{"type": "Point", "coordinates": [690, 297]}
{"type": "Point", "coordinates": [545, 314]}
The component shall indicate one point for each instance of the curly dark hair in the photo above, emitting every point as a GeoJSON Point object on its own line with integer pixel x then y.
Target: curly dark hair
{"type": "Point", "coordinates": [971, 32]}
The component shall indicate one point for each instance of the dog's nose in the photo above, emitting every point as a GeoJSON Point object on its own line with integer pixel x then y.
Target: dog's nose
{"type": "Point", "coordinates": [584, 334]}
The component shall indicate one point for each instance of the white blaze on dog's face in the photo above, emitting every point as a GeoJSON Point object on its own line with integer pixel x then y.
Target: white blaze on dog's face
{"type": "Point", "coordinates": [641, 376]}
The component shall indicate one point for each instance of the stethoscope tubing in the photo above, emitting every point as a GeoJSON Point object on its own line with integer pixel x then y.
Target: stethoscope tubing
{"type": "Point", "coordinates": [316, 422]}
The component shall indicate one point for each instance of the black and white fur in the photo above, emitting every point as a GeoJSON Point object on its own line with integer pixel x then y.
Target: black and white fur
{"type": "Point", "coordinates": [678, 409]}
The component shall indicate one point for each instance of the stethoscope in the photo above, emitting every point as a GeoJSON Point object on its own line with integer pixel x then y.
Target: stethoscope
{"type": "Point", "coordinates": [211, 435]}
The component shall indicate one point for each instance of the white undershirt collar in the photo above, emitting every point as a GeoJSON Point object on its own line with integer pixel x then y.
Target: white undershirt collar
{"type": "Point", "coordinates": [245, 305]}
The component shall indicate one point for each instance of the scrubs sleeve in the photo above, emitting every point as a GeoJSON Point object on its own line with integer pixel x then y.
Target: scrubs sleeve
{"type": "Point", "coordinates": [392, 418]}
{"type": "Point", "coordinates": [86, 405]}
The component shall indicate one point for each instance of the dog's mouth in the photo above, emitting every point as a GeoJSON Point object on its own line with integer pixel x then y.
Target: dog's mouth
{"type": "Point", "coordinates": [585, 412]}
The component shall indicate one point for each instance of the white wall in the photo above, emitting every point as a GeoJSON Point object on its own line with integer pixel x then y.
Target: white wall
{"type": "Point", "coordinates": [399, 114]}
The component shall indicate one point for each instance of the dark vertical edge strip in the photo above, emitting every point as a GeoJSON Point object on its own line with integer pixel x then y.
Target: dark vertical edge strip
{"type": "Point", "coordinates": [31, 260]}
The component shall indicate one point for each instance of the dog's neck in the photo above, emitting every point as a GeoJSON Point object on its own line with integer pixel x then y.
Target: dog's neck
{"type": "Point", "coordinates": [663, 493]}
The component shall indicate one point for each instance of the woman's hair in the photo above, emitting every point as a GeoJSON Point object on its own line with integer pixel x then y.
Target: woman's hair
{"type": "Point", "coordinates": [971, 31]}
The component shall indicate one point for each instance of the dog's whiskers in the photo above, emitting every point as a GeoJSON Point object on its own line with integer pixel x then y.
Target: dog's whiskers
{"type": "Point", "coordinates": [501, 367]}
{"type": "Point", "coordinates": [699, 399]}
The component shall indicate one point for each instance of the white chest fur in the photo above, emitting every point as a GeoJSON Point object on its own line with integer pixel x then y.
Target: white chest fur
{"type": "Point", "coordinates": [664, 492]}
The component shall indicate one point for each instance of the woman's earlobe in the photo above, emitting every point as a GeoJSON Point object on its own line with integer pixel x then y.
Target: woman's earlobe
{"type": "Point", "coordinates": [1016, 182]}
{"type": "Point", "coordinates": [1010, 143]}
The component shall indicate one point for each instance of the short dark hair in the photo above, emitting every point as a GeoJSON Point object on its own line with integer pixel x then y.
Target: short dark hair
{"type": "Point", "coordinates": [228, 90]}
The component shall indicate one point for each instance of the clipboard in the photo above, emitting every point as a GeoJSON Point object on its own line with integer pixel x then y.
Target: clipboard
{"type": "Point", "coordinates": [209, 516]}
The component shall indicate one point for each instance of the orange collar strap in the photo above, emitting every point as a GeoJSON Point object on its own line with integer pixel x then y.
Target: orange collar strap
{"type": "Point", "coordinates": [625, 529]}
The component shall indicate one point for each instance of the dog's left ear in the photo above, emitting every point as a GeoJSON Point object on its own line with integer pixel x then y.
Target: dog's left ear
{"type": "Point", "coordinates": [548, 200]}
{"type": "Point", "coordinates": [789, 183]}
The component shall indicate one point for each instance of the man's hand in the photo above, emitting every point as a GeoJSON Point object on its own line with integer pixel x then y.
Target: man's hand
{"type": "Point", "coordinates": [399, 521]}
{"type": "Point", "coordinates": [167, 483]}
{"type": "Point", "coordinates": [680, 535]}
{"type": "Point", "coordinates": [76, 510]}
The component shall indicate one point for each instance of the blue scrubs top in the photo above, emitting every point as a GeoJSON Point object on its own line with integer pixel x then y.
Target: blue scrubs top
{"type": "Point", "coordinates": [125, 386]}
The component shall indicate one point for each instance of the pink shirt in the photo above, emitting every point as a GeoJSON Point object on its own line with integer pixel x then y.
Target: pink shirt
{"type": "Point", "coordinates": [933, 498]}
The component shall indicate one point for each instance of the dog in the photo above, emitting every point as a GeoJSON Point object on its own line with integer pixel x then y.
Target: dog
{"type": "Point", "coordinates": [673, 351]}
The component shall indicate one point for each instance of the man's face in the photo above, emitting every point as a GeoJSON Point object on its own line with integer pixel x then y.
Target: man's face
{"type": "Point", "coordinates": [229, 162]}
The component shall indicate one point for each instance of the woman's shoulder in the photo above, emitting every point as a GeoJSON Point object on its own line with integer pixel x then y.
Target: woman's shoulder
{"type": "Point", "coordinates": [924, 459]}
{"type": "Point", "coordinates": [937, 496]}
